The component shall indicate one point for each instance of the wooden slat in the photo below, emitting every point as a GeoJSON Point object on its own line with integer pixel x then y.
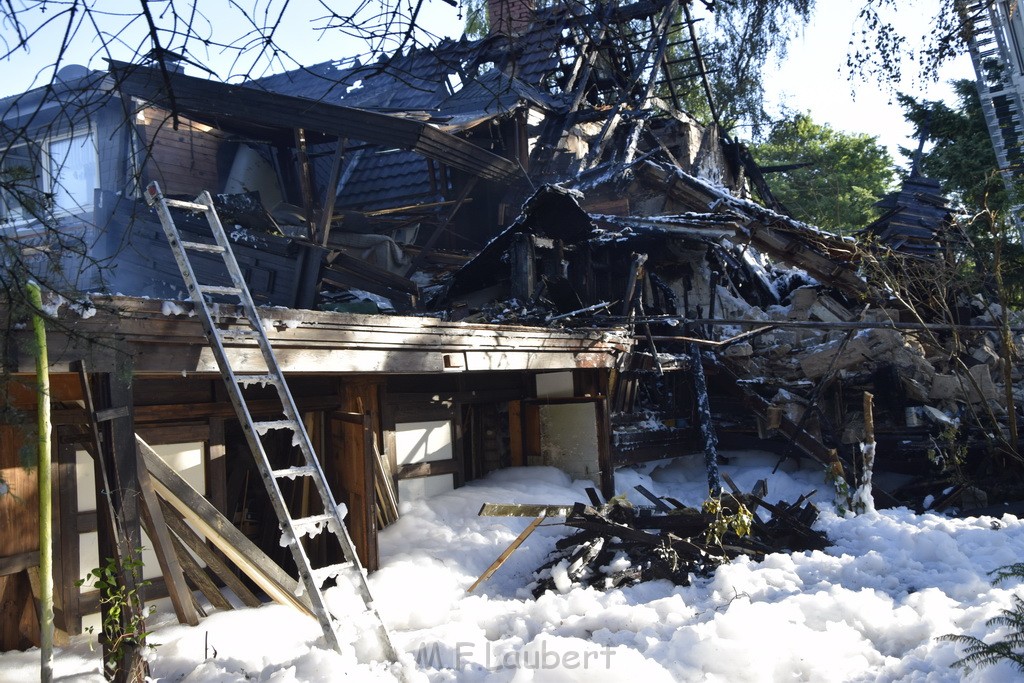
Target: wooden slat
{"type": "Point", "coordinates": [17, 563]}
{"type": "Point", "coordinates": [219, 530]}
{"type": "Point", "coordinates": [523, 510]}
{"type": "Point", "coordinates": [67, 558]}
{"type": "Point", "coordinates": [428, 469]}
{"type": "Point", "coordinates": [507, 553]}
{"type": "Point", "coordinates": [220, 568]}
{"type": "Point", "coordinates": [153, 518]}
{"type": "Point", "coordinates": [60, 636]}
{"type": "Point", "coordinates": [198, 577]}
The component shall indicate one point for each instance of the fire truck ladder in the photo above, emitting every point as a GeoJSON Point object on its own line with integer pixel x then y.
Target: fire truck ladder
{"type": "Point", "coordinates": [247, 328]}
{"type": "Point", "coordinates": [1000, 98]}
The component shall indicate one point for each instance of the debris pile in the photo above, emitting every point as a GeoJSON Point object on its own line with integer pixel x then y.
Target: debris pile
{"type": "Point", "coordinates": [619, 544]}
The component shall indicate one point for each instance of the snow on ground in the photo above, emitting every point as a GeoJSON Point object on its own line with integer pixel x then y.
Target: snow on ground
{"type": "Point", "coordinates": [869, 608]}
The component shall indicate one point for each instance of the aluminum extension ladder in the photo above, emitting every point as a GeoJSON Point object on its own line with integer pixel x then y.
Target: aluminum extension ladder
{"type": "Point", "coordinates": [330, 520]}
{"type": "Point", "coordinates": [998, 80]}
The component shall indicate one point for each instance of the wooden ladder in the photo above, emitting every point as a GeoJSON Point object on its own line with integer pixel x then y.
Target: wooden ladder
{"type": "Point", "coordinates": [246, 329]}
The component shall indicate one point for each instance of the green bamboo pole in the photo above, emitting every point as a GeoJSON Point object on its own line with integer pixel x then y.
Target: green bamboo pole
{"type": "Point", "coordinates": [45, 495]}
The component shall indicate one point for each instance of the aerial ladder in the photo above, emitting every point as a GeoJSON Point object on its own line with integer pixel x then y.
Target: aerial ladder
{"type": "Point", "coordinates": [996, 32]}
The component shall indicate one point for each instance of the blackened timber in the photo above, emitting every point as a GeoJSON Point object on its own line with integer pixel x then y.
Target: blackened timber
{"type": "Point", "coordinates": [225, 104]}
{"type": "Point", "coordinates": [339, 262]}
{"type": "Point", "coordinates": [707, 425]}
{"type": "Point", "coordinates": [305, 181]}
{"type": "Point", "coordinates": [331, 192]}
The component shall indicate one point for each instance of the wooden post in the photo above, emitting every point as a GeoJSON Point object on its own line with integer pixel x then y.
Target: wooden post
{"type": "Point", "coordinates": [863, 499]}
{"type": "Point", "coordinates": [523, 267]}
{"type": "Point", "coordinates": [331, 191]}
{"type": "Point", "coordinates": [707, 425]}
{"type": "Point", "coordinates": [305, 181]}
{"type": "Point", "coordinates": [45, 492]}
{"type": "Point", "coordinates": [121, 536]}
{"type": "Point", "coordinates": [152, 515]}
{"type": "Point", "coordinates": [636, 274]}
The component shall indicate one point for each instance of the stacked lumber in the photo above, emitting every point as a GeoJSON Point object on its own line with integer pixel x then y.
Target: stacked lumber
{"type": "Point", "coordinates": [619, 544]}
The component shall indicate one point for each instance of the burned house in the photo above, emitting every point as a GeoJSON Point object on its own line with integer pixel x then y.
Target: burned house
{"type": "Point", "coordinates": [559, 247]}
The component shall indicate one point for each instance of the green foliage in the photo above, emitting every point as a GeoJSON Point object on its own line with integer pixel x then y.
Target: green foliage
{"type": "Point", "coordinates": [476, 18]}
{"type": "Point", "coordinates": [879, 47]}
{"type": "Point", "coordinates": [961, 156]}
{"type": "Point", "coordinates": [124, 623]}
{"type": "Point", "coordinates": [746, 33]}
{"type": "Point", "coordinates": [843, 498]}
{"type": "Point", "coordinates": [978, 653]}
{"type": "Point", "coordinates": [962, 159]}
{"type": "Point", "coordinates": [738, 522]}
{"type": "Point", "coordinates": [845, 174]}
{"type": "Point", "coordinates": [949, 453]}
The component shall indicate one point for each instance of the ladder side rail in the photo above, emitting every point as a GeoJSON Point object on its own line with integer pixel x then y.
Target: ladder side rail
{"type": "Point", "coordinates": [241, 408]}
{"type": "Point", "coordinates": [340, 532]}
{"type": "Point", "coordinates": [291, 411]}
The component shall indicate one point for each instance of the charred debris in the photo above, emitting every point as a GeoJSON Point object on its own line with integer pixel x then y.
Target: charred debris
{"type": "Point", "coordinates": [617, 543]}
{"type": "Point", "coordinates": [548, 175]}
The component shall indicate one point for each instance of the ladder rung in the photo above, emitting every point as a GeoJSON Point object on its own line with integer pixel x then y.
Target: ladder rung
{"type": "Point", "coordinates": [297, 471]}
{"type": "Point", "coordinates": [202, 246]}
{"type": "Point", "coordinates": [321, 574]}
{"type": "Point", "coordinates": [238, 334]}
{"type": "Point", "coordinates": [188, 206]}
{"type": "Point", "coordinates": [267, 425]}
{"type": "Point", "coordinates": [263, 379]}
{"type": "Point", "coordinates": [218, 289]}
{"type": "Point", "coordinates": [313, 523]}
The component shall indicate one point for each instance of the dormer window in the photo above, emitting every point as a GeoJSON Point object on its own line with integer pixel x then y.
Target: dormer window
{"type": "Point", "coordinates": [56, 177]}
{"type": "Point", "coordinates": [72, 173]}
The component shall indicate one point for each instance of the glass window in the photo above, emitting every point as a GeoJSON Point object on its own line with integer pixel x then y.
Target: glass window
{"type": "Point", "coordinates": [19, 184]}
{"type": "Point", "coordinates": [72, 172]}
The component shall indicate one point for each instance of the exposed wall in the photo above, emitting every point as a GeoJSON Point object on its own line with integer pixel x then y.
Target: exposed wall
{"type": "Point", "coordinates": [184, 160]}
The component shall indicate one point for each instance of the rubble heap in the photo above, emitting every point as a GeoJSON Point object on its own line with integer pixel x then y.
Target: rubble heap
{"type": "Point", "coordinates": [619, 544]}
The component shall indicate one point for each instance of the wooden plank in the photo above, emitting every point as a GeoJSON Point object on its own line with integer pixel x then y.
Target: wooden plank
{"type": "Point", "coordinates": [305, 180]}
{"type": "Point", "coordinates": [515, 434]}
{"type": "Point", "coordinates": [219, 530]}
{"type": "Point", "coordinates": [216, 465]}
{"type": "Point", "coordinates": [153, 518]}
{"type": "Point", "coordinates": [604, 447]}
{"type": "Point", "coordinates": [342, 263]}
{"type": "Point", "coordinates": [197, 576]}
{"type": "Point", "coordinates": [18, 563]}
{"type": "Point", "coordinates": [67, 559]}
{"type": "Point", "coordinates": [60, 636]}
{"type": "Point", "coordinates": [190, 538]}
{"type": "Point", "coordinates": [507, 553]}
{"type": "Point", "coordinates": [428, 469]}
{"type": "Point", "coordinates": [19, 629]}
{"type": "Point", "coordinates": [524, 510]}
{"type": "Point", "coordinates": [19, 517]}
{"type": "Point", "coordinates": [658, 502]}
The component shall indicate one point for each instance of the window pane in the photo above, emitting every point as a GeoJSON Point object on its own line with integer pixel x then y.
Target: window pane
{"type": "Point", "coordinates": [73, 172]}
{"type": "Point", "coordinates": [20, 182]}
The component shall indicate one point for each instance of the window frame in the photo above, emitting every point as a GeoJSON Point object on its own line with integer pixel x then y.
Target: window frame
{"type": "Point", "coordinates": [42, 160]}
{"type": "Point", "coordinates": [46, 161]}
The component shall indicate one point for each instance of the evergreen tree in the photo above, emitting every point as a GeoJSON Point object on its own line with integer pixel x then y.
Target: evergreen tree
{"type": "Point", "coordinates": [840, 175]}
{"type": "Point", "coordinates": [961, 157]}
